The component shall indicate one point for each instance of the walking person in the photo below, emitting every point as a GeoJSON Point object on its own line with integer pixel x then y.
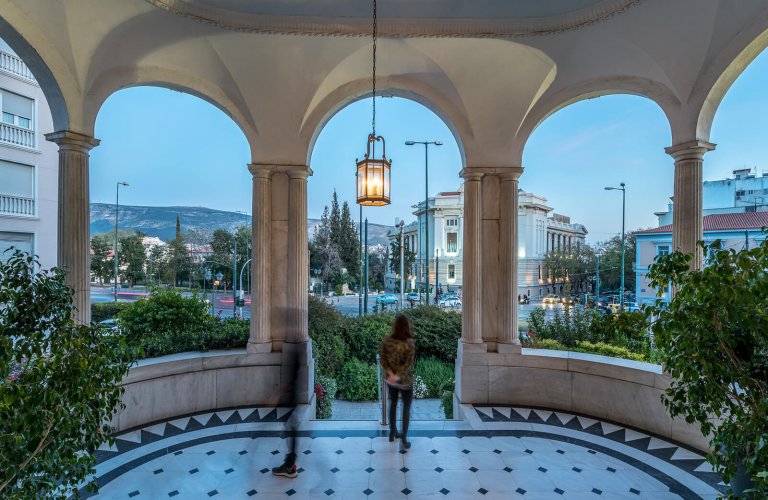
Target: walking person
{"type": "Point", "coordinates": [288, 395]}
{"type": "Point", "coordinates": [397, 355]}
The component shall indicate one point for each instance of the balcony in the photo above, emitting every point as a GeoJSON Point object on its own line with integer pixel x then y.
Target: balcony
{"type": "Point", "coordinates": [15, 67]}
{"type": "Point", "coordinates": [17, 205]}
{"type": "Point", "coordinates": [17, 136]}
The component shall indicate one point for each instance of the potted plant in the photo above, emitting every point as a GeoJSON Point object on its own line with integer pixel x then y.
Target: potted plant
{"type": "Point", "coordinates": [713, 338]}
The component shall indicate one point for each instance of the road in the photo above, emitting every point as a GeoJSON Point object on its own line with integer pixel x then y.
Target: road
{"type": "Point", "coordinates": [347, 305]}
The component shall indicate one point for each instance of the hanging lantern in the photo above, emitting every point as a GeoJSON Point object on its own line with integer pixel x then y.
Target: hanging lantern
{"type": "Point", "coordinates": [373, 176]}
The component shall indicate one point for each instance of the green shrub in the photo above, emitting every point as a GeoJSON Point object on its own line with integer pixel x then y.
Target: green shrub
{"type": "Point", "coordinates": [592, 348]}
{"type": "Point", "coordinates": [357, 381]}
{"type": "Point", "coordinates": [446, 403]}
{"type": "Point", "coordinates": [107, 310]}
{"type": "Point", "coordinates": [325, 391]}
{"type": "Point", "coordinates": [434, 373]}
{"type": "Point", "coordinates": [436, 332]}
{"type": "Point", "coordinates": [363, 336]}
{"type": "Point", "coordinates": [165, 310]}
{"type": "Point", "coordinates": [325, 324]}
{"type": "Point", "coordinates": [420, 390]}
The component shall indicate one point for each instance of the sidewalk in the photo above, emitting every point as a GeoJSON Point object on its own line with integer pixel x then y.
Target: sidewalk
{"type": "Point", "coordinates": [421, 409]}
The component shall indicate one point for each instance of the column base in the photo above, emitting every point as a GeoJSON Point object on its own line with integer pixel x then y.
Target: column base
{"type": "Point", "coordinates": [478, 370]}
{"type": "Point", "coordinates": [258, 347]}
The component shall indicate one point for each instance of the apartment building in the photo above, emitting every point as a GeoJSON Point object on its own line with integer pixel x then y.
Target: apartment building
{"type": "Point", "coordinates": [28, 164]}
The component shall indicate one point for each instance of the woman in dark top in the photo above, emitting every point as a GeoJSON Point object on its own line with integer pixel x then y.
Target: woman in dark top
{"type": "Point", "coordinates": [397, 355]}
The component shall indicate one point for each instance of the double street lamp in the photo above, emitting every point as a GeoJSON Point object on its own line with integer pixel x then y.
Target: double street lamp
{"type": "Point", "coordinates": [623, 212]}
{"type": "Point", "coordinates": [426, 207]}
{"type": "Point", "coordinates": [117, 208]}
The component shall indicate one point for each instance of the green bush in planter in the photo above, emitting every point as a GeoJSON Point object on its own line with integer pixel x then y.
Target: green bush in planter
{"type": "Point", "coordinates": [325, 391]}
{"type": "Point", "coordinates": [325, 330]}
{"type": "Point", "coordinates": [59, 385]}
{"type": "Point", "coordinates": [107, 310]}
{"type": "Point", "coordinates": [436, 332]}
{"type": "Point", "coordinates": [165, 310]}
{"type": "Point", "coordinates": [435, 374]}
{"type": "Point", "coordinates": [714, 343]}
{"type": "Point", "coordinates": [364, 335]}
{"type": "Point", "coordinates": [357, 381]}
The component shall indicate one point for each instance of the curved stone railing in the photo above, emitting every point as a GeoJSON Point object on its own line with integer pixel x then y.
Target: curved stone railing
{"type": "Point", "coordinates": [624, 391]}
{"type": "Point", "coordinates": [190, 382]}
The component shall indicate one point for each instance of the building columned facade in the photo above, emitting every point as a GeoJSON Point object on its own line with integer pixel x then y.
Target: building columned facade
{"type": "Point", "coordinates": [540, 230]}
{"type": "Point", "coordinates": [28, 164]}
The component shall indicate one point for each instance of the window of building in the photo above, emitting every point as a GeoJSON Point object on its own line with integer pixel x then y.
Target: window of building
{"type": "Point", "coordinates": [17, 109]}
{"type": "Point", "coordinates": [21, 241]}
{"type": "Point", "coordinates": [452, 243]}
{"type": "Point", "coordinates": [452, 222]}
{"type": "Point", "coordinates": [662, 250]}
{"type": "Point", "coordinates": [451, 272]}
{"type": "Point", "coordinates": [18, 179]}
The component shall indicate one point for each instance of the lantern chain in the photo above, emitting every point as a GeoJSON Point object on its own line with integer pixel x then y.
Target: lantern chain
{"type": "Point", "coordinates": [373, 121]}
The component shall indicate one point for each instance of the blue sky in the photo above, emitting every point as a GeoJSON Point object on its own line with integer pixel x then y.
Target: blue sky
{"type": "Point", "coordinates": [175, 149]}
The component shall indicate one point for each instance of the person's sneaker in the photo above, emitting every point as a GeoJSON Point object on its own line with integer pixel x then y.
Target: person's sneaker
{"type": "Point", "coordinates": [285, 470]}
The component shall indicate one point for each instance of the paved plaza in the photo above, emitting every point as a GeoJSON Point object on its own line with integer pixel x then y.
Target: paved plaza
{"type": "Point", "coordinates": [421, 409]}
{"type": "Point", "coordinates": [498, 452]}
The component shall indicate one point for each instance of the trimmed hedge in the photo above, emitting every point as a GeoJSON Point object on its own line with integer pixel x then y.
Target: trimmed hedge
{"type": "Point", "coordinates": [107, 310]}
{"type": "Point", "coordinates": [592, 348]}
{"type": "Point", "coordinates": [357, 381]}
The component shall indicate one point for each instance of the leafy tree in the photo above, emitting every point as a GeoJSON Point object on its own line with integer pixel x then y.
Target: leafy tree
{"type": "Point", "coordinates": [349, 245]}
{"type": "Point", "coordinates": [610, 262]}
{"type": "Point", "coordinates": [59, 385]}
{"type": "Point", "coordinates": [715, 348]}
{"type": "Point", "coordinates": [336, 232]}
{"type": "Point", "coordinates": [394, 261]}
{"type": "Point", "coordinates": [377, 266]}
{"type": "Point", "coordinates": [223, 246]}
{"type": "Point", "coordinates": [158, 265]}
{"type": "Point", "coordinates": [102, 263]}
{"type": "Point", "coordinates": [179, 261]}
{"type": "Point", "coordinates": [133, 256]}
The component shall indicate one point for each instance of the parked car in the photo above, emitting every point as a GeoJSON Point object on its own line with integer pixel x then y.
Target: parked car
{"type": "Point", "coordinates": [111, 325]}
{"type": "Point", "coordinates": [387, 298]}
{"type": "Point", "coordinates": [413, 297]}
{"type": "Point", "coordinates": [551, 299]}
{"type": "Point", "coordinates": [451, 301]}
{"type": "Point", "coordinates": [631, 306]}
{"type": "Point", "coordinates": [567, 300]}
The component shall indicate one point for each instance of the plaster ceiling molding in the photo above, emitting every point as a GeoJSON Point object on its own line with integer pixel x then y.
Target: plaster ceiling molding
{"type": "Point", "coordinates": [400, 18]}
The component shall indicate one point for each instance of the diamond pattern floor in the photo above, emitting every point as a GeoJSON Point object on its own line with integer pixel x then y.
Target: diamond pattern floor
{"type": "Point", "coordinates": [516, 459]}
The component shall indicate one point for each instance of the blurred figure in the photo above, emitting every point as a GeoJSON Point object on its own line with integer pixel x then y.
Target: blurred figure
{"type": "Point", "coordinates": [397, 355]}
{"type": "Point", "coordinates": [288, 396]}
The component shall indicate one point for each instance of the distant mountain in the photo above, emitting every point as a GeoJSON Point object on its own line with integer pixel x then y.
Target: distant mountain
{"type": "Point", "coordinates": [161, 221]}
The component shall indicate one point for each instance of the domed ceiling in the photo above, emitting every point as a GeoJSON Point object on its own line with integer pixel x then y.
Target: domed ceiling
{"type": "Point", "coordinates": [485, 18]}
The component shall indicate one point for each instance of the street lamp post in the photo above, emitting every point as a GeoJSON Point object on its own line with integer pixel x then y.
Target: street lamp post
{"type": "Point", "coordinates": [623, 190]}
{"type": "Point", "coordinates": [437, 267]}
{"type": "Point", "coordinates": [241, 293]}
{"type": "Point", "coordinates": [401, 223]}
{"type": "Point", "coordinates": [426, 207]}
{"type": "Point", "coordinates": [117, 208]}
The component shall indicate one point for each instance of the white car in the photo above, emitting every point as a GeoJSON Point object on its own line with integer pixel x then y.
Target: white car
{"type": "Point", "coordinates": [452, 302]}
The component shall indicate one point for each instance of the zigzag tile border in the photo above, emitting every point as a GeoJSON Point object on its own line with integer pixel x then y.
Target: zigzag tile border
{"type": "Point", "coordinates": [140, 436]}
{"type": "Point", "coordinates": [688, 459]}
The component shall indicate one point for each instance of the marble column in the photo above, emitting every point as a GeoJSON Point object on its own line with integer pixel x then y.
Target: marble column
{"type": "Point", "coordinates": [298, 258]}
{"type": "Point", "coordinates": [74, 216]}
{"type": "Point", "coordinates": [472, 295]}
{"type": "Point", "coordinates": [508, 258]}
{"type": "Point", "coordinates": [260, 339]}
{"type": "Point", "coordinates": [687, 214]}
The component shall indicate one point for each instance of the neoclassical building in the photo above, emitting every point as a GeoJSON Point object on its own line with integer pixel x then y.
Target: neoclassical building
{"type": "Point", "coordinates": [493, 72]}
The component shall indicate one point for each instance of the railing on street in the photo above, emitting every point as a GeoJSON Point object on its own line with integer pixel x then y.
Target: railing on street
{"type": "Point", "coordinates": [11, 134]}
{"type": "Point", "coordinates": [16, 205]}
{"type": "Point", "coordinates": [15, 66]}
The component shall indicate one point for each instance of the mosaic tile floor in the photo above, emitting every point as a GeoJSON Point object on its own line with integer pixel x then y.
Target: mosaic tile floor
{"type": "Point", "coordinates": [518, 453]}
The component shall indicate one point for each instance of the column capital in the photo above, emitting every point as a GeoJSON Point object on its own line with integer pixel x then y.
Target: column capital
{"type": "Point", "coordinates": [692, 150]}
{"type": "Point", "coordinates": [510, 174]}
{"type": "Point", "coordinates": [471, 174]}
{"type": "Point", "coordinates": [67, 139]}
{"type": "Point", "coordinates": [268, 169]}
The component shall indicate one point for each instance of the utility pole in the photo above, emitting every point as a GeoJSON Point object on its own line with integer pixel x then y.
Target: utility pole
{"type": "Point", "coordinates": [117, 210]}
{"type": "Point", "coordinates": [360, 286]}
{"type": "Point", "coordinates": [365, 300]}
{"type": "Point", "coordinates": [597, 278]}
{"type": "Point", "coordinates": [234, 278]}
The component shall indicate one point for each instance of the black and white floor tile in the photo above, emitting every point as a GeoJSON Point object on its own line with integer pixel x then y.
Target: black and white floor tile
{"type": "Point", "coordinates": [523, 452]}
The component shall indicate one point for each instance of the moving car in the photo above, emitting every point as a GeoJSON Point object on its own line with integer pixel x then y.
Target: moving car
{"type": "Point", "coordinates": [387, 298]}
{"type": "Point", "coordinates": [413, 297]}
{"type": "Point", "coordinates": [551, 299]}
{"type": "Point", "coordinates": [451, 301]}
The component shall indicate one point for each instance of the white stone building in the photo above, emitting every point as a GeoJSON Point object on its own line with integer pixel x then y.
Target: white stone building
{"type": "Point", "coordinates": [540, 230]}
{"type": "Point", "coordinates": [28, 164]}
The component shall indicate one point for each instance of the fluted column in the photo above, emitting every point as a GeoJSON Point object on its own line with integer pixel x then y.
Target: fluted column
{"type": "Point", "coordinates": [471, 321]}
{"type": "Point", "coordinates": [298, 259]}
{"type": "Point", "coordinates": [260, 339]}
{"type": "Point", "coordinates": [508, 263]}
{"type": "Point", "coordinates": [74, 216]}
{"type": "Point", "coordinates": [687, 214]}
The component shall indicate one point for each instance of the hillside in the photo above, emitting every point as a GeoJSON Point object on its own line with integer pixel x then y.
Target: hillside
{"type": "Point", "coordinates": [161, 221]}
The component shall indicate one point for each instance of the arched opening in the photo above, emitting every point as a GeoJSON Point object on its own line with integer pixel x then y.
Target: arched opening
{"type": "Point", "coordinates": [186, 204]}
{"type": "Point", "coordinates": [336, 268]}
{"type": "Point", "coordinates": [575, 223]}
